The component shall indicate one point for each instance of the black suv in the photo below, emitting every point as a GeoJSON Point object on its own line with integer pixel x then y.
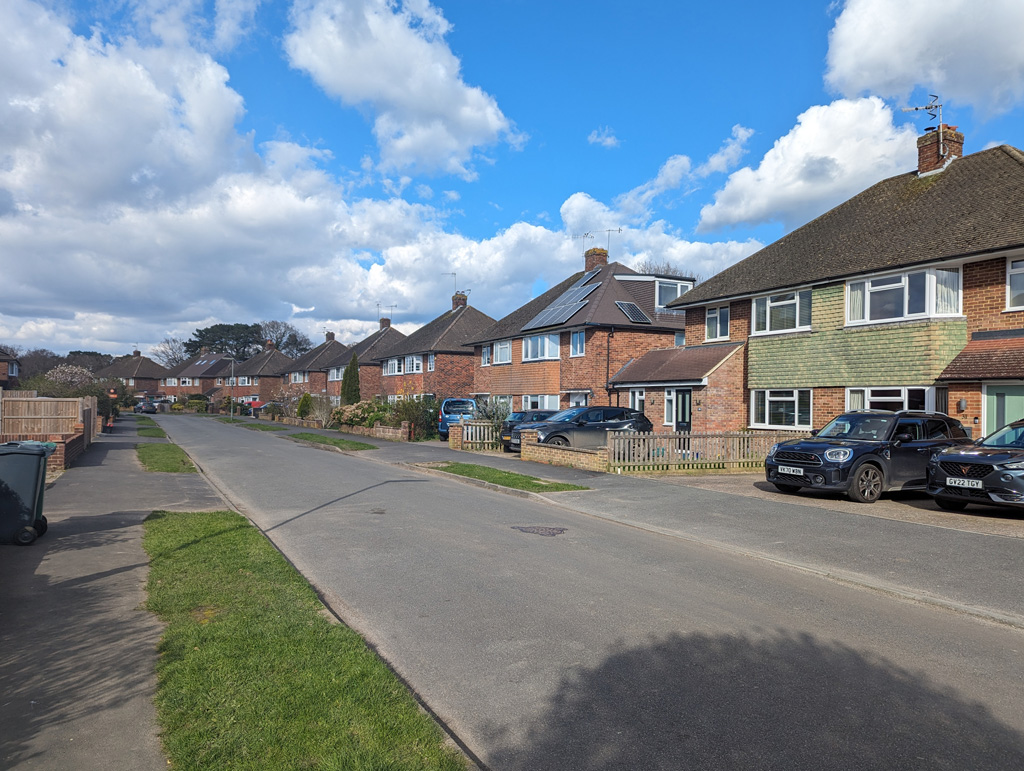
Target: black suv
{"type": "Point", "coordinates": [584, 426]}
{"type": "Point", "coordinates": [515, 418]}
{"type": "Point", "coordinates": [864, 453]}
{"type": "Point", "coordinates": [990, 472]}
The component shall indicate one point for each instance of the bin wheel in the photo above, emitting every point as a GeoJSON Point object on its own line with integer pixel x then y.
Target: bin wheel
{"type": "Point", "coordinates": [41, 525]}
{"type": "Point", "coordinates": [25, 536]}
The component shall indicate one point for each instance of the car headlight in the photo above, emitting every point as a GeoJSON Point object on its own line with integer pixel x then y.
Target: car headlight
{"type": "Point", "coordinates": [771, 452]}
{"type": "Point", "coordinates": [839, 454]}
{"type": "Point", "coordinates": [1016, 465]}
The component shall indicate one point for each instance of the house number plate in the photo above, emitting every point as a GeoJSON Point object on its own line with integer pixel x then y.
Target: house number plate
{"type": "Point", "coordinates": [974, 484]}
{"type": "Point", "coordinates": [791, 470]}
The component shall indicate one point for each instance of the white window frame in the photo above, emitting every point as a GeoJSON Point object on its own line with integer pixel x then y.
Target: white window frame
{"type": "Point", "coordinates": [578, 399]}
{"type": "Point", "coordinates": [335, 374]}
{"type": "Point", "coordinates": [540, 401]}
{"type": "Point", "coordinates": [299, 377]}
{"type": "Point", "coordinates": [413, 364]}
{"type": "Point", "coordinates": [682, 288]}
{"type": "Point", "coordinates": [485, 356]}
{"type": "Point", "coordinates": [12, 369]}
{"type": "Point", "coordinates": [670, 407]}
{"type": "Point", "coordinates": [171, 381]}
{"type": "Point", "coordinates": [771, 395]}
{"type": "Point", "coordinates": [502, 353]}
{"type": "Point", "coordinates": [680, 339]}
{"type": "Point", "coordinates": [884, 399]}
{"type": "Point", "coordinates": [547, 347]}
{"type": "Point", "coordinates": [637, 398]}
{"type": "Point", "coordinates": [185, 381]}
{"type": "Point", "coordinates": [394, 366]}
{"type": "Point", "coordinates": [430, 362]}
{"type": "Point", "coordinates": [890, 281]}
{"type": "Point", "coordinates": [716, 314]}
{"type": "Point", "coordinates": [1014, 267]}
{"type": "Point", "coordinates": [577, 343]}
{"type": "Point", "coordinates": [764, 305]}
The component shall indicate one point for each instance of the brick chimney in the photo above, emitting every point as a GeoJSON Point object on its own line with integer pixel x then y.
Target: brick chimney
{"type": "Point", "coordinates": [459, 300]}
{"type": "Point", "coordinates": [385, 323]}
{"type": "Point", "coordinates": [269, 346]}
{"type": "Point", "coordinates": [136, 354]}
{"type": "Point", "coordinates": [329, 336]}
{"type": "Point", "coordinates": [595, 258]}
{"type": "Point", "coordinates": [929, 153]}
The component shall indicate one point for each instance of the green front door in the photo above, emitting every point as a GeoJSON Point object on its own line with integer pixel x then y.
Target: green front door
{"type": "Point", "coordinates": [1003, 404]}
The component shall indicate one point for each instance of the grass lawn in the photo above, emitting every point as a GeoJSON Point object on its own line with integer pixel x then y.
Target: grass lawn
{"type": "Point", "coordinates": [164, 457]}
{"type": "Point", "coordinates": [230, 419]}
{"type": "Point", "coordinates": [507, 478]}
{"type": "Point", "coordinates": [142, 420]}
{"type": "Point", "coordinates": [264, 427]}
{"type": "Point", "coordinates": [251, 675]}
{"type": "Point", "coordinates": [341, 444]}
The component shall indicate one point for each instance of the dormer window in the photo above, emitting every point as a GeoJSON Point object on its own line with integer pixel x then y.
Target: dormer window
{"type": "Point", "coordinates": [667, 291]}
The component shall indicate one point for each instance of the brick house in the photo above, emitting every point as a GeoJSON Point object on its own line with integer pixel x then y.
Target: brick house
{"type": "Point", "coordinates": [139, 373]}
{"type": "Point", "coordinates": [891, 300]}
{"type": "Point", "coordinates": [9, 366]}
{"type": "Point", "coordinates": [195, 376]}
{"type": "Point", "coordinates": [366, 352]}
{"type": "Point", "coordinates": [434, 360]}
{"type": "Point", "coordinates": [308, 373]}
{"type": "Point", "coordinates": [257, 379]}
{"type": "Point", "coordinates": [562, 348]}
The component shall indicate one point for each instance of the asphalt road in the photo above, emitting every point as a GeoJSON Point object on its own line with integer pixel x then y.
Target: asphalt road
{"type": "Point", "coordinates": [611, 646]}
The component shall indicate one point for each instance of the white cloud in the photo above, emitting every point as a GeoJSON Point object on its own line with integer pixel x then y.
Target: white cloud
{"type": "Point", "coordinates": [603, 136]}
{"type": "Point", "coordinates": [636, 203]}
{"type": "Point", "coordinates": [393, 58]}
{"type": "Point", "coordinates": [728, 155]}
{"type": "Point", "coordinates": [834, 152]}
{"type": "Point", "coordinates": [965, 51]}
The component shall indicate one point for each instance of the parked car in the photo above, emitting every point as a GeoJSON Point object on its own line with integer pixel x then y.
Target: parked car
{"type": "Point", "coordinates": [146, 407]}
{"type": "Point", "coordinates": [515, 418]}
{"type": "Point", "coordinates": [865, 453]}
{"type": "Point", "coordinates": [583, 426]}
{"type": "Point", "coordinates": [990, 472]}
{"type": "Point", "coordinates": [453, 411]}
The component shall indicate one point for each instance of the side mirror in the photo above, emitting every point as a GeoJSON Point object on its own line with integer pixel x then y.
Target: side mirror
{"type": "Point", "coordinates": [814, 432]}
{"type": "Point", "coordinates": [902, 438]}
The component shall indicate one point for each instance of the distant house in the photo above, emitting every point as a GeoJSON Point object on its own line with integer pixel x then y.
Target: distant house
{"type": "Point", "coordinates": [308, 373]}
{"type": "Point", "coordinates": [196, 376]}
{"type": "Point", "coordinates": [366, 352]}
{"type": "Point", "coordinates": [9, 366]}
{"type": "Point", "coordinates": [910, 295]}
{"type": "Point", "coordinates": [257, 379]}
{"type": "Point", "coordinates": [434, 360]}
{"type": "Point", "coordinates": [562, 348]}
{"type": "Point", "coordinates": [140, 374]}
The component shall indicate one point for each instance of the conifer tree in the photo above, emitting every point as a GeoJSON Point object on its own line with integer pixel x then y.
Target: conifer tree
{"type": "Point", "coordinates": [350, 382]}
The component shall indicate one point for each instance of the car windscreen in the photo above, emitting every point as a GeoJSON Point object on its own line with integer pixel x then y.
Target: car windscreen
{"type": "Point", "coordinates": [1008, 436]}
{"type": "Point", "coordinates": [566, 415]}
{"type": "Point", "coordinates": [851, 426]}
{"type": "Point", "coordinates": [461, 407]}
{"type": "Point", "coordinates": [514, 416]}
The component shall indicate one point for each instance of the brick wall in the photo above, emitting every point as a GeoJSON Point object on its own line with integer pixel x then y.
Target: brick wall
{"type": "Point", "coordinates": [588, 460]}
{"type": "Point", "coordinates": [971, 416]}
{"type": "Point", "coordinates": [370, 381]}
{"type": "Point", "coordinates": [985, 297]}
{"type": "Point", "coordinates": [452, 377]}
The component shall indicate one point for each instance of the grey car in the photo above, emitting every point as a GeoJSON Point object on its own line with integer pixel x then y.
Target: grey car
{"type": "Point", "coordinates": [586, 427]}
{"type": "Point", "coordinates": [990, 472]}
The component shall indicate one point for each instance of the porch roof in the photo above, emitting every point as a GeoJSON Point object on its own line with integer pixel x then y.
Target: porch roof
{"type": "Point", "coordinates": [675, 365]}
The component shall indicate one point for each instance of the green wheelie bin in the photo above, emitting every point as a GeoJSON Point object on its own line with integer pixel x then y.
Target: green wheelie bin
{"type": "Point", "coordinates": [22, 482]}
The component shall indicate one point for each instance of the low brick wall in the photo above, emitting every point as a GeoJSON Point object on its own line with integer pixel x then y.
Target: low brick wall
{"type": "Point", "coordinates": [69, 447]}
{"type": "Point", "coordinates": [571, 457]}
{"type": "Point", "coordinates": [401, 433]}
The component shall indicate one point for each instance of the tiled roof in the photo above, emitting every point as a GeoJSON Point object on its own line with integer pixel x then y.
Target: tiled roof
{"type": "Point", "coordinates": [125, 367]}
{"type": "Point", "coordinates": [370, 348]}
{"type": "Point", "coordinates": [448, 333]}
{"type": "Point", "coordinates": [974, 206]}
{"type": "Point", "coordinates": [267, 363]}
{"type": "Point", "coordinates": [989, 356]}
{"type": "Point", "coordinates": [203, 365]}
{"type": "Point", "coordinates": [320, 358]}
{"type": "Point", "coordinates": [675, 365]}
{"type": "Point", "coordinates": [6, 355]}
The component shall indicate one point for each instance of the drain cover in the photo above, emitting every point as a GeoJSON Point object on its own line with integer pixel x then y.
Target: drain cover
{"type": "Point", "coordinates": [550, 532]}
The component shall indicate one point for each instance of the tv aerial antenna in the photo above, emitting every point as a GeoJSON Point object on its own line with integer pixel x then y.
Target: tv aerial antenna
{"type": "Point", "coordinates": [609, 232]}
{"type": "Point", "coordinates": [934, 109]}
{"type": "Point", "coordinates": [455, 282]}
{"type": "Point", "coordinates": [583, 237]}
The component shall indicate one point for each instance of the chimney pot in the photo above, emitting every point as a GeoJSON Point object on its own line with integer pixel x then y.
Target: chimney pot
{"type": "Point", "coordinates": [595, 258]}
{"type": "Point", "coordinates": [929, 152]}
{"type": "Point", "coordinates": [459, 300]}
{"type": "Point", "coordinates": [385, 323]}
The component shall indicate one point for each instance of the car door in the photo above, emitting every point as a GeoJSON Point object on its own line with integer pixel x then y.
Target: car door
{"type": "Point", "coordinates": [588, 429]}
{"type": "Point", "coordinates": [909, 462]}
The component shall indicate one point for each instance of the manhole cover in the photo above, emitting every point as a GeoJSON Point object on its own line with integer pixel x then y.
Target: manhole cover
{"type": "Point", "coordinates": [550, 532]}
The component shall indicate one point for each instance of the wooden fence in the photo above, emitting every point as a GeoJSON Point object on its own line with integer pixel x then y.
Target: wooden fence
{"type": "Point", "coordinates": [24, 416]}
{"type": "Point", "coordinates": [645, 452]}
{"type": "Point", "coordinates": [479, 435]}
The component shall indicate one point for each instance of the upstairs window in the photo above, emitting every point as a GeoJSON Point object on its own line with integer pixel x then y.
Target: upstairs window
{"type": "Point", "coordinates": [916, 294]}
{"type": "Point", "coordinates": [12, 369]}
{"type": "Point", "coordinates": [413, 364]}
{"type": "Point", "coordinates": [430, 362]}
{"type": "Point", "coordinates": [538, 347]}
{"type": "Point", "coordinates": [717, 323]}
{"type": "Point", "coordinates": [669, 291]}
{"type": "Point", "coordinates": [393, 366]}
{"type": "Point", "coordinates": [578, 344]}
{"type": "Point", "coordinates": [1015, 284]}
{"type": "Point", "coordinates": [782, 312]}
{"type": "Point", "coordinates": [336, 373]}
{"type": "Point", "coordinates": [485, 356]}
{"type": "Point", "coordinates": [503, 352]}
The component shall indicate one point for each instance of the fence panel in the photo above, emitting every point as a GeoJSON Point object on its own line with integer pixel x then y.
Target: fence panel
{"type": "Point", "coordinates": [643, 452]}
{"type": "Point", "coordinates": [479, 435]}
{"type": "Point", "coordinates": [41, 416]}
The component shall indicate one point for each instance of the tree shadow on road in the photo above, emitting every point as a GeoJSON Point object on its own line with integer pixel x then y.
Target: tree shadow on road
{"type": "Point", "coordinates": [729, 702]}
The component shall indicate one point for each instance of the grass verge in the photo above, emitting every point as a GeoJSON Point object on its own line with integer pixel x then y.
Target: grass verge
{"type": "Point", "coordinates": [164, 457]}
{"type": "Point", "coordinates": [264, 427]}
{"type": "Point", "coordinates": [142, 420]}
{"type": "Point", "coordinates": [341, 444]}
{"type": "Point", "coordinates": [251, 675]}
{"type": "Point", "coordinates": [152, 432]}
{"type": "Point", "coordinates": [508, 478]}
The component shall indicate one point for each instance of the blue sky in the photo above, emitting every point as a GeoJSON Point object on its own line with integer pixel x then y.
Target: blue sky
{"type": "Point", "coordinates": [170, 164]}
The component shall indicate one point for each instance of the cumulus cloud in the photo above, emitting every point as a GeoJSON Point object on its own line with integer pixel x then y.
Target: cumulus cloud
{"type": "Point", "coordinates": [834, 152]}
{"type": "Point", "coordinates": [603, 136]}
{"type": "Point", "coordinates": [393, 59]}
{"type": "Point", "coordinates": [966, 52]}
{"type": "Point", "coordinates": [729, 154]}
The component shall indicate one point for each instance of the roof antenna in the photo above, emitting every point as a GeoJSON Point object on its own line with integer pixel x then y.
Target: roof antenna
{"type": "Point", "coordinates": [932, 108]}
{"type": "Point", "coordinates": [455, 283]}
{"type": "Point", "coordinates": [609, 232]}
{"type": "Point", "coordinates": [584, 237]}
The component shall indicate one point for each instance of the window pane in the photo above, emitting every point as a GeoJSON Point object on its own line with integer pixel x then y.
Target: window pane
{"type": "Point", "coordinates": [667, 292]}
{"type": "Point", "coordinates": [915, 398]}
{"type": "Point", "coordinates": [805, 309]}
{"type": "Point", "coordinates": [857, 301]}
{"type": "Point", "coordinates": [782, 413]}
{"type": "Point", "coordinates": [723, 322]}
{"type": "Point", "coordinates": [803, 408]}
{"type": "Point", "coordinates": [856, 400]}
{"type": "Point", "coordinates": [917, 293]}
{"type": "Point", "coordinates": [886, 393]}
{"type": "Point", "coordinates": [887, 304]}
{"type": "Point", "coordinates": [760, 314]}
{"type": "Point", "coordinates": [887, 281]}
{"type": "Point", "coordinates": [1016, 290]}
{"type": "Point", "coordinates": [712, 325]}
{"type": "Point", "coordinates": [759, 407]}
{"type": "Point", "coordinates": [947, 290]}
{"type": "Point", "coordinates": [783, 316]}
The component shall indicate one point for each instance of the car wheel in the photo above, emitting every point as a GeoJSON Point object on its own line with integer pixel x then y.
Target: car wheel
{"type": "Point", "coordinates": [443, 437]}
{"type": "Point", "coordinates": [559, 441]}
{"type": "Point", "coordinates": [786, 488]}
{"type": "Point", "coordinates": [866, 485]}
{"type": "Point", "coordinates": [950, 505]}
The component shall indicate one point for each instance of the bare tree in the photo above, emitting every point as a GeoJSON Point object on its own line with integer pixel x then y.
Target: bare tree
{"type": "Point", "coordinates": [322, 410]}
{"type": "Point", "coordinates": [648, 266]}
{"type": "Point", "coordinates": [286, 338]}
{"type": "Point", "coordinates": [170, 351]}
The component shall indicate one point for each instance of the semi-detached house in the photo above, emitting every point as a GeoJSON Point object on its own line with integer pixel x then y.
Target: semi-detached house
{"type": "Point", "coordinates": [140, 374]}
{"type": "Point", "coordinates": [366, 351]}
{"type": "Point", "coordinates": [909, 295]}
{"type": "Point", "coordinates": [562, 348]}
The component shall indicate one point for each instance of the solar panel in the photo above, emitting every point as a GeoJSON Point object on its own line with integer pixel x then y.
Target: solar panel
{"type": "Point", "coordinates": [586, 277]}
{"type": "Point", "coordinates": [633, 312]}
{"type": "Point", "coordinates": [562, 309]}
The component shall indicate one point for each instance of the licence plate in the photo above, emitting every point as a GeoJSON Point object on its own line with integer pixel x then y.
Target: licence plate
{"type": "Point", "coordinates": [506, 437]}
{"type": "Point", "coordinates": [795, 471]}
{"type": "Point", "coordinates": [974, 484]}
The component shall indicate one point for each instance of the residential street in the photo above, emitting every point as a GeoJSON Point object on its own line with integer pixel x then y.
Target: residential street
{"type": "Point", "coordinates": [667, 627]}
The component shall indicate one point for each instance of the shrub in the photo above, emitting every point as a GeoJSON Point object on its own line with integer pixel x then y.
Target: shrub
{"type": "Point", "coordinates": [422, 416]}
{"type": "Point", "coordinates": [199, 405]}
{"type": "Point", "coordinates": [177, 407]}
{"type": "Point", "coordinates": [304, 407]}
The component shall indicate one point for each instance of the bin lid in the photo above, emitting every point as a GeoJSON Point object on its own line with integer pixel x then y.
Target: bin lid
{"type": "Point", "coordinates": [28, 447]}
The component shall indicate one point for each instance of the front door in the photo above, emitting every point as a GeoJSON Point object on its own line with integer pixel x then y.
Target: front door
{"type": "Point", "coordinates": [684, 402]}
{"type": "Point", "coordinates": [1003, 404]}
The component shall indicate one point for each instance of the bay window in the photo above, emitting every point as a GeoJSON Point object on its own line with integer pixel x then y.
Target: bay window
{"type": "Point", "coordinates": [915, 294]}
